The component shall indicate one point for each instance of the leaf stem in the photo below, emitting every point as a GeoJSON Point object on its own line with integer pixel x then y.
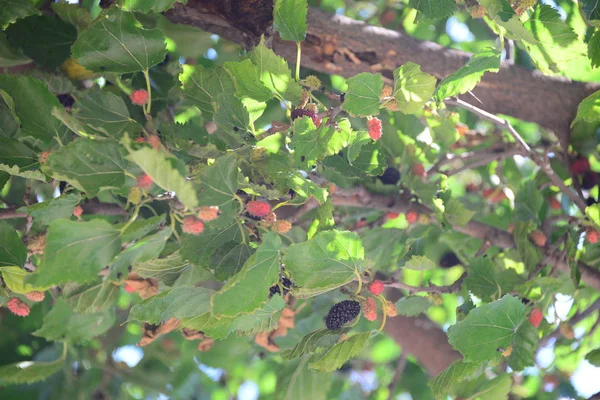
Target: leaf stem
{"type": "Point", "coordinates": [383, 310]}
{"type": "Point", "coordinates": [359, 288]}
{"type": "Point", "coordinates": [136, 212]}
{"type": "Point", "coordinates": [298, 55]}
{"type": "Point", "coordinates": [148, 88]}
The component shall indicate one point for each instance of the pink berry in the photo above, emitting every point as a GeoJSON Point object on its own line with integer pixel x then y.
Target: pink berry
{"type": "Point", "coordinates": [139, 97]}
{"type": "Point", "coordinates": [193, 226]}
{"type": "Point", "coordinates": [374, 127]}
{"type": "Point", "coordinates": [258, 209]}
{"type": "Point", "coordinates": [77, 211]}
{"type": "Point", "coordinates": [412, 217]}
{"type": "Point", "coordinates": [376, 287]}
{"type": "Point", "coordinates": [144, 182]}
{"type": "Point", "coordinates": [36, 296]}
{"type": "Point", "coordinates": [17, 307]}
{"type": "Point", "coordinates": [536, 317]}
{"type": "Point", "coordinates": [369, 309]}
{"type": "Point", "coordinates": [592, 235]}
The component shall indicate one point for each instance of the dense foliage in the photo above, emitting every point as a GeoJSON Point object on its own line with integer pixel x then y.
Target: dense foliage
{"type": "Point", "coordinates": [242, 219]}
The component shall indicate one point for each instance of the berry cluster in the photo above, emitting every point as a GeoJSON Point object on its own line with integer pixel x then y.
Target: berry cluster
{"type": "Point", "coordinates": [285, 283]}
{"type": "Point", "coordinates": [342, 313]}
{"type": "Point", "coordinates": [18, 307]}
{"type": "Point", "coordinates": [302, 112]}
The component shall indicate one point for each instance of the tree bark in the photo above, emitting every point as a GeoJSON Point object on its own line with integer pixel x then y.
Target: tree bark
{"type": "Point", "coordinates": [343, 46]}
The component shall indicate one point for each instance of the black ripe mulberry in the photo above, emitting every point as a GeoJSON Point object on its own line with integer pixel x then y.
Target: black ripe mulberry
{"type": "Point", "coordinates": [286, 283]}
{"type": "Point", "coordinates": [342, 313]}
{"type": "Point", "coordinates": [301, 112]}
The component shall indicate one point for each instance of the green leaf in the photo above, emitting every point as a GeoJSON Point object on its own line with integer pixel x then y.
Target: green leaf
{"type": "Point", "coordinates": [248, 290]}
{"type": "Point", "coordinates": [9, 122]}
{"type": "Point", "coordinates": [591, 11]}
{"type": "Point", "coordinates": [456, 373]}
{"type": "Point", "coordinates": [232, 117]}
{"type": "Point", "coordinates": [159, 167]}
{"type": "Point", "coordinates": [12, 250]}
{"type": "Point", "coordinates": [165, 269]}
{"type": "Point", "coordinates": [467, 77]}
{"type": "Point", "coordinates": [76, 251]}
{"type": "Point", "coordinates": [181, 302]}
{"type": "Point", "coordinates": [79, 17]}
{"type": "Point", "coordinates": [296, 382]}
{"type": "Point", "coordinates": [16, 171]}
{"type": "Point", "coordinates": [487, 328]}
{"type": "Point", "coordinates": [329, 260]}
{"type": "Point", "coordinates": [49, 210]}
{"type": "Point", "coordinates": [502, 14]}
{"type": "Point", "coordinates": [89, 165]}
{"type": "Point", "coordinates": [434, 9]}
{"type": "Point", "coordinates": [200, 248]}
{"type": "Point", "coordinates": [202, 85]}
{"type": "Point", "coordinates": [487, 282]}
{"type": "Point", "coordinates": [589, 109]}
{"type": "Point", "coordinates": [229, 259]}
{"type": "Point", "coordinates": [14, 277]}
{"type": "Point", "coordinates": [419, 263]}
{"type": "Point", "coordinates": [275, 73]}
{"type": "Point", "coordinates": [312, 144]}
{"type": "Point", "coordinates": [524, 347]}
{"type": "Point", "coordinates": [33, 105]}
{"type": "Point", "coordinates": [117, 42]}
{"type": "Point", "coordinates": [106, 113]}
{"type": "Point", "coordinates": [323, 220]}
{"type": "Point", "coordinates": [149, 6]}
{"type": "Point", "coordinates": [412, 306]}
{"type": "Point", "coordinates": [46, 40]}
{"type": "Point", "coordinates": [142, 227]}
{"type": "Point", "coordinates": [62, 324]}
{"type": "Point", "coordinates": [529, 253]}
{"type": "Point", "coordinates": [412, 87]}
{"type": "Point", "coordinates": [264, 319]}
{"type": "Point", "coordinates": [26, 372]}
{"type": "Point", "coordinates": [142, 250]}
{"type": "Point", "coordinates": [12, 10]}
{"type": "Point", "coordinates": [218, 187]}
{"type": "Point", "coordinates": [246, 78]}
{"type": "Point", "coordinates": [289, 19]}
{"type": "Point", "coordinates": [9, 56]}
{"type": "Point", "coordinates": [362, 97]}
{"type": "Point", "coordinates": [314, 342]}
{"type": "Point", "coordinates": [593, 357]}
{"type": "Point", "coordinates": [91, 298]}
{"type": "Point", "coordinates": [341, 352]}
{"type": "Point", "coordinates": [15, 153]}
{"type": "Point", "coordinates": [384, 246]}
{"type": "Point", "coordinates": [456, 213]}
{"type": "Point", "coordinates": [594, 49]}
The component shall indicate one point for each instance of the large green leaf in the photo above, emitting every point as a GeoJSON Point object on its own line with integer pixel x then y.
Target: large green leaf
{"type": "Point", "coordinates": [149, 6]}
{"type": "Point", "coordinates": [117, 42]}
{"type": "Point", "coordinates": [106, 113]}
{"type": "Point", "coordinates": [33, 105]}
{"type": "Point", "coordinates": [434, 9]}
{"type": "Point", "coordinates": [456, 373]}
{"type": "Point", "coordinates": [313, 343]}
{"type": "Point", "coordinates": [312, 144]}
{"type": "Point", "coordinates": [488, 282]}
{"type": "Point", "coordinates": [200, 248]}
{"type": "Point", "coordinates": [12, 10]}
{"type": "Point", "coordinates": [165, 269]}
{"type": "Point", "coordinates": [9, 56]}
{"type": "Point", "coordinates": [524, 347]}
{"type": "Point", "coordinates": [229, 259]}
{"type": "Point", "coordinates": [14, 278]}
{"type": "Point", "coordinates": [468, 76]}
{"type": "Point", "coordinates": [16, 171]}
{"type": "Point", "coordinates": [47, 40]}
{"type": "Point", "coordinates": [181, 302]}
{"type": "Point", "coordinates": [142, 227]}
{"type": "Point", "coordinates": [362, 97]}
{"type": "Point", "coordinates": [341, 352]}
{"type": "Point", "coordinates": [289, 19]}
{"type": "Point", "coordinates": [89, 165]}
{"type": "Point", "coordinates": [79, 17]}
{"type": "Point", "coordinates": [158, 166]}
{"type": "Point", "coordinates": [413, 305]}
{"type": "Point", "coordinates": [594, 49]}
{"type": "Point", "coordinates": [76, 251]}
{"type": "Point", "coordinates": [263, 319]}
{"type": "Point", "coordinates": [232, 116]}
{"type": "Point", "coordinates": [248, 290]}
{"type": "Point", "coordinates": [49, 210]}
{"type": "Point", "coordinates": [487, 328]}
{"type": "Point", "coordinates": [145, 249]}
{"type": "Point", "coordinates": [589, 109]}
{"type": "Point", "coordinates": [62, 324]}
{"type": "Point", "coordinates": [202, 85]}
{"type": "Point", "coordinates": [247, 80]}
{"type": "Point", "coordinates": [412, 87]}
{"type": "Point", "coordinates": [218, 187]}
{"type": "Point", "coordinates": [295, 381]}
{"type": "Point", "coordinates": [12, 250]}
{"type": "Point", "coordinates": [26, 372]}
{"type": "Point", "coordinates": [91, 298]}
{"type": "Point", "coordinates": [9, 122]}
{"type": "Point", "coordinates": [502, 14]}
{"type": "Point", "coordinates": [419, 263]}
{"type": "Point", "coordinates": [329, 260]}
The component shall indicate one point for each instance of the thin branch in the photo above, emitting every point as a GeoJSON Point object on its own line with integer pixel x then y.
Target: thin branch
{"type": "Point", "coordinates": [397, 374]}
{"type": "Point", "coordinates": [572, 321]}
{"type": "Point", "coordinates": [487, 159]}
{"type": "Point", "coordinates": [540, 160]}
{"type": "Point", "coordinates": [431, 288]}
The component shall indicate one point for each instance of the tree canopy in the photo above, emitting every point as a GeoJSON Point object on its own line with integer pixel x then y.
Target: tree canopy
{"type": "Point", "coordinates": [299, 199]}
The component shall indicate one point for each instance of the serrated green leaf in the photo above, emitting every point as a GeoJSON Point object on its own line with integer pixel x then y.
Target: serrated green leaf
{"type": "Point", "coordinates": [362, 97]}
{"type": "Point", "coordinates": [181, 302]}
{"type": "Point", "coordinates": [16, 171]}
{"type": "Point", "coordinates": [49, 210]}
{"type": "Point", "coordinates": [312, 144]}
{"type": "Point", "coordinates": [487, 282]}
{"type": "Point", "coordinates": [12, 250]}
{"type": "Point", "coordinates": [232, 117]}
{"type": "Point", "coordinates": [412, 306]}
{"type": "Point", "coordinates": [456, 373]}
{"type": "Point", "coordinates": [46, 40]}
{"type": "Point", "coordinates": [296, 382]}
{"type": "Point", "coordinates": [341, 352]}
{"type": "Point", "coordinates": [79, 17]}
{"type": "Point", "coordinates": [313, 343]}
{"type": "Point", "coordinates": [9, 122]}
{"type": "Point", "coordinates": [145, 249]}
{"type": "Point", "coordinates": [594, 49]}
{"type": "Point", "coordinates": [524, 348]}
{"type": "Point", "coordinates": [499, 12]}
{"type": "Point", "coordinates": [9, 56]}
{"type": "Point", "coordinates": [265, 319]}
{"type": "Point", "coordinates": [26, 372]}
{"type": "Point", "coordinates": [467, 77]}
{"type": "Point", "coordinates": [33, 105]}
{"type": "Point", "coordinates": [12, 10]}
{"type": "Point", "coordinates": [117, 42]}
{"type": "Point", "coordinates": [106, 113]}
{"type": "Point", "coordinates": [384, 246]}
{"type": "Point", "coordinates": [91, 298]}
{"type": "Point", "coordinates": [218, 187]}
{"type": "Point", "coordinates": [142, 227]}
{"type": "Point", "coordinates": [229, 259]}
{"type": "Point", "coordinates": [327, 261]}
{"type": "Point", "coordinates": [419, 263]}
{"type": "Point", "coordinates": [76, 251]}
{"type": "Point", "coordinates": [323, 220]}
{"type": "Point", "coordinates": [149, 6]}
{"type": "Point", "coordinates": [62, 324]}
{"type": "Point", "coordinates": [200, 248]}
{"type": "Point", "coordinates": [593, 357]}
{"type": "Point", "coordinates": [591, 11]}
{"type": "Point", "coordinates": [14, 153]}
{"type": "Point", "coordinates": [487, 328]}
{"type": "Point", "coordinates": [305, 189]}
{"type": "Point", "coordinates": [248, 290]}
{"type": "Point", "coordinates": [434, 9]}
{"type": "Point", "coordinates": [246, 78]}
{"type": "Point", "coordinates": [589, 109]}
{"type": "Point", "coordinates": [412, 87]}
{"type": "Point", "coordinates": [289, 19]}
{"type": "Point", "coordinates": [529, 253]}
{"type": "Point", "coordinates": [14, 277]}
{"type": "Point", "coordinates": [158, 166]}
{"type": "Point", "coordinates": [89, 165]}
{"type": "Point", "coordinates": [456, 213]}
{"type": "Point", "coordinates": [165, 269]}
{"type": "Point", "coordinates": [202, 85]}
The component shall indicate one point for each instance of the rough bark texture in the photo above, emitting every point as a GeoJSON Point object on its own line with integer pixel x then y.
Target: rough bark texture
{"type": "Point", "coordinates": [343, 46]}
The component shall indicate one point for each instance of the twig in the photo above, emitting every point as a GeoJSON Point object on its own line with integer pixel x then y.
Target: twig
{"type": "Point", "coordinates": [398, 374]}
{"type": "Point", "coordinates": [431, 288]}
{"type": "Point", "coordinates": [573, 321]}
{"type": "Point", "coordinates": [540, 160]}
{"type": "Point", "coordinates": [489, 157]}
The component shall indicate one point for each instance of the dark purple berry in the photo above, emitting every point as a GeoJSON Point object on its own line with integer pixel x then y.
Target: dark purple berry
{"type": "Point", "coordinates": [301, 112]}
{"type": "Point", "coordinates": [342, 313]}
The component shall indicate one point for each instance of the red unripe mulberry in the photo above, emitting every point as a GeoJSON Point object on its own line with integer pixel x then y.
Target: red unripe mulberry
{"type": "Point", "coordinates": [139, 97]}
{"type": "Point", "coordinates": [208, 213]}
{"type": "Point", "coordinates": [36, 296]}
{"type": "Point", "coordinates": [592, 235]}
{"type": "Point", "coordinates": [412, 217]}
{"type": "Point", "coordinates": [77, 211]}
{"type": "Point", "coordinates": [580, 166]}
{"type": "Point", "coordinates": [374, 127]}
{"type": "Point", "coordinates": [192, 226]}
{"type": "Point", "coordinates": [129, 289]}
{"type": "Point", "coordinates": [554, 204]}
{"type": "Point", "coordinates": [282, 226]}
{"type": "Point", "coordinates": [376, 287]}
{"type": "Point", "coordinates": [369, 309]}
{"type": "Point", "coordinates": [536, 317]}
{"type": "Point", "coordinates": [258, 209]}
{"type": "Point", "coordinates": [144, 182]}
{"type": "Point", "coordinates": [17, 307]}
{"type": "Point", "coordinates": [418, 170]}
